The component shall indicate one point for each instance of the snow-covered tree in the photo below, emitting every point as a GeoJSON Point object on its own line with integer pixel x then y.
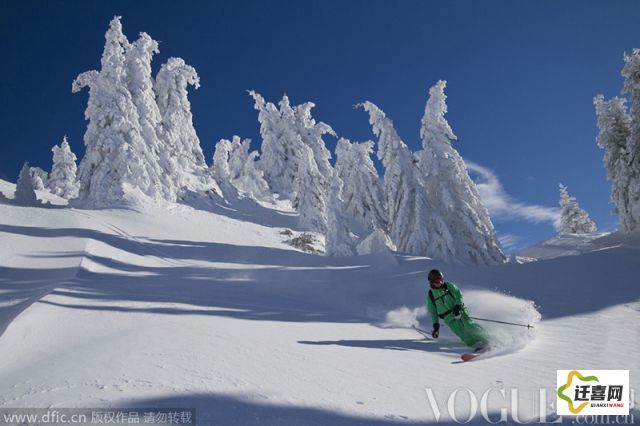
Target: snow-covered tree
{"type": "Point", "coordinates": [62, 180]}
{"type": "Point", "coordinates": [252, 181]}
{"type": "Point", "coordinates": [181, 143]}
{"type": "Point", "coordinates": [338, 241]}
{"type": "Point", "coordinates": [117, 161]}
{"type": "Point", "coordinates": [458, 224]}
{"type": "Point", "coordinates": [138, 56]}
{"type": "Point", "coordinates": [311, 196]}
{"type": "Point", "coordinates": [282, 147]}
{"type": "Point", "coordinates": [220, 167]}
{"type": "Point", "coordinates": [225, 168]}
{"type": "Point", "coordinates": [573, 219]}
{"type": "Point", "coordinates": [400, 183]}
{"type": "Point", "coordinates": [245, 174]}
{"type": "Point", "coordinates": [311, 133]}
{"type": "Point", "coordinates": [25, 194]}
{"type": "Point", "coordinates": [238, 156]}
{"type": "Point", "coordinates": [234, 165]}
{"type": "Point", "coordinates": [286, 133]}
{"type": "Point", "coordinates": [294, 158]}
{"type": "Point", "coordinates": [362, 190]}
{"type": "Point", "coordinates": [631, 74]}
{"type": "Point", "coordinates": [614, 124]}
{"type": "Point", "coordinates": [432, 204]}
{"type": "Point", "coordinates": [39, 178]}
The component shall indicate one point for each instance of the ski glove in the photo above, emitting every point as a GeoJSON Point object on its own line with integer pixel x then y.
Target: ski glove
{"type": "Point", "coordinates": [457, 311]}
{"type": "Point", "coordinates": [436, 330]}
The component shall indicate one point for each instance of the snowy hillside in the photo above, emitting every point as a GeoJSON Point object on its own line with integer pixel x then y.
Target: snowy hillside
{"type": "Point", "coordinates": [576, 244]}
{"type": "Point", "coordinates": [209, 307]}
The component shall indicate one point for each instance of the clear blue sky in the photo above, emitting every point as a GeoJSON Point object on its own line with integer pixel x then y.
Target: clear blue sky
{"type": "Point", "coordinates": [521, 78]}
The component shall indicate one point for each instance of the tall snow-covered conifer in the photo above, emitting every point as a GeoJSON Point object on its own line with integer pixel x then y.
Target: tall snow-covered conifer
{"type": "Point", "coordinates": [338, 241]}
{"type": "Point", "coordinates": [181, 143]}
{"type": "Point", "coordinates": [314, 178]}
{"type": "Point", "coordinates": [282, 147]}
{"type": "Point", "coordinates": [118, 162]}
{"type": "Point", "coordinates": [286, 133]}
{"type": "Point", "coordinates": [294, 158]}
{"type": "Point", "coordinates": [573, 219]}
{"type": "Point", "coordinates": [614, 124]}
{"type": "Point", "coordinates": [62, 180]}
{"type": "Point", "coordinates": [400, 184]}
{"type": "Point", "coordinates": [138, 56]}
{"type": "Point", "coordinates": [311, 196]}
{"type": "Point", "coordinates": [631, 74]}
{"type": "Point", "coordinates": [459, 225]}
{"type": "Point", "coordinates": [220, 167]}
{"type": "Point", "coordinates": [361, 189]}
{"type": "Point", "coordinates": [238, 156]}
{"type": "Point", "coordinates": [311, 133]}
{"type": "Point", "coordinates": [24, 194]}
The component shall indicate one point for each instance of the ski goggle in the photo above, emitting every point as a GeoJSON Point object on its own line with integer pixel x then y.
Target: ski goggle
{"type": "Point", "coordinates": [436, 280]}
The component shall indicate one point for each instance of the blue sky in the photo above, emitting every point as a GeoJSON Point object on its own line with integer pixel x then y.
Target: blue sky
{"type": "Point", "coordinates": [521, 79]}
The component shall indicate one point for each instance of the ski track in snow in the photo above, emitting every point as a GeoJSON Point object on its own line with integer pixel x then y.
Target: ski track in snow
{"type": "Point", "coordinates": [121, 308]}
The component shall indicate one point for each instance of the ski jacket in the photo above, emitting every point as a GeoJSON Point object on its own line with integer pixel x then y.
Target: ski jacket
{"type": "Point", "coordinates": [440, 301]}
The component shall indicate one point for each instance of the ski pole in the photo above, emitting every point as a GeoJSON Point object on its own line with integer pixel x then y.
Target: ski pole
{"type": "Point", "coordinates": [425, 333]}
{"type": "Point", "coordinates": [502, 322]}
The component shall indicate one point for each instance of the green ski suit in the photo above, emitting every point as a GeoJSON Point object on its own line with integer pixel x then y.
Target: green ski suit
{"type": "Point", "coordinates": [446, 297]}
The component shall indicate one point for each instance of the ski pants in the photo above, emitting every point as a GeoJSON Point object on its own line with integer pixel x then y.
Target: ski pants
{"type": "Point", "coordinates": [466, 329]}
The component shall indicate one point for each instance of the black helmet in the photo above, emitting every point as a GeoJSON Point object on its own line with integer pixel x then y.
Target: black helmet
{"type": "Point", "coordinates": [433, 274]}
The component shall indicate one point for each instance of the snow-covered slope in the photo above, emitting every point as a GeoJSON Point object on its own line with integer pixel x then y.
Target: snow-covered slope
{"type": "Point", "coordinates": [577, 244]}
{"type": "Point", "coordinates": [210, 308]}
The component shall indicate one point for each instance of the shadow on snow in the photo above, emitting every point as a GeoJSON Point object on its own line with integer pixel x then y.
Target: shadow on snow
{"type": "Point", "coordinates": [258, 283]}
{"type": "Point", "coordinates": [215, 409]}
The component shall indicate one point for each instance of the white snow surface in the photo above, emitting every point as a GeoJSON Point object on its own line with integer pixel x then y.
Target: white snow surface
{"type": "Point", "coordinates": [579, 244]}
{"type": "Point", "coordinates": [209, 308]}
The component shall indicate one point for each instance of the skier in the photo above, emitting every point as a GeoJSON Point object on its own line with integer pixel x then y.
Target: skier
{"type": "Point", "coordinates": [444, 301]}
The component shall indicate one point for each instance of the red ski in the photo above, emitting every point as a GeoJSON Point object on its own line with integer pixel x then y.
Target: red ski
{"type": "Point", "coordinates": [474, 355]}
{"type": "Point", "coordinates": [469, 357]}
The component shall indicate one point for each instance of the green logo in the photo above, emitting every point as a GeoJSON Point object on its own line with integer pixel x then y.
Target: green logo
{"type": "Point", "coordinates": [561, 389]}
